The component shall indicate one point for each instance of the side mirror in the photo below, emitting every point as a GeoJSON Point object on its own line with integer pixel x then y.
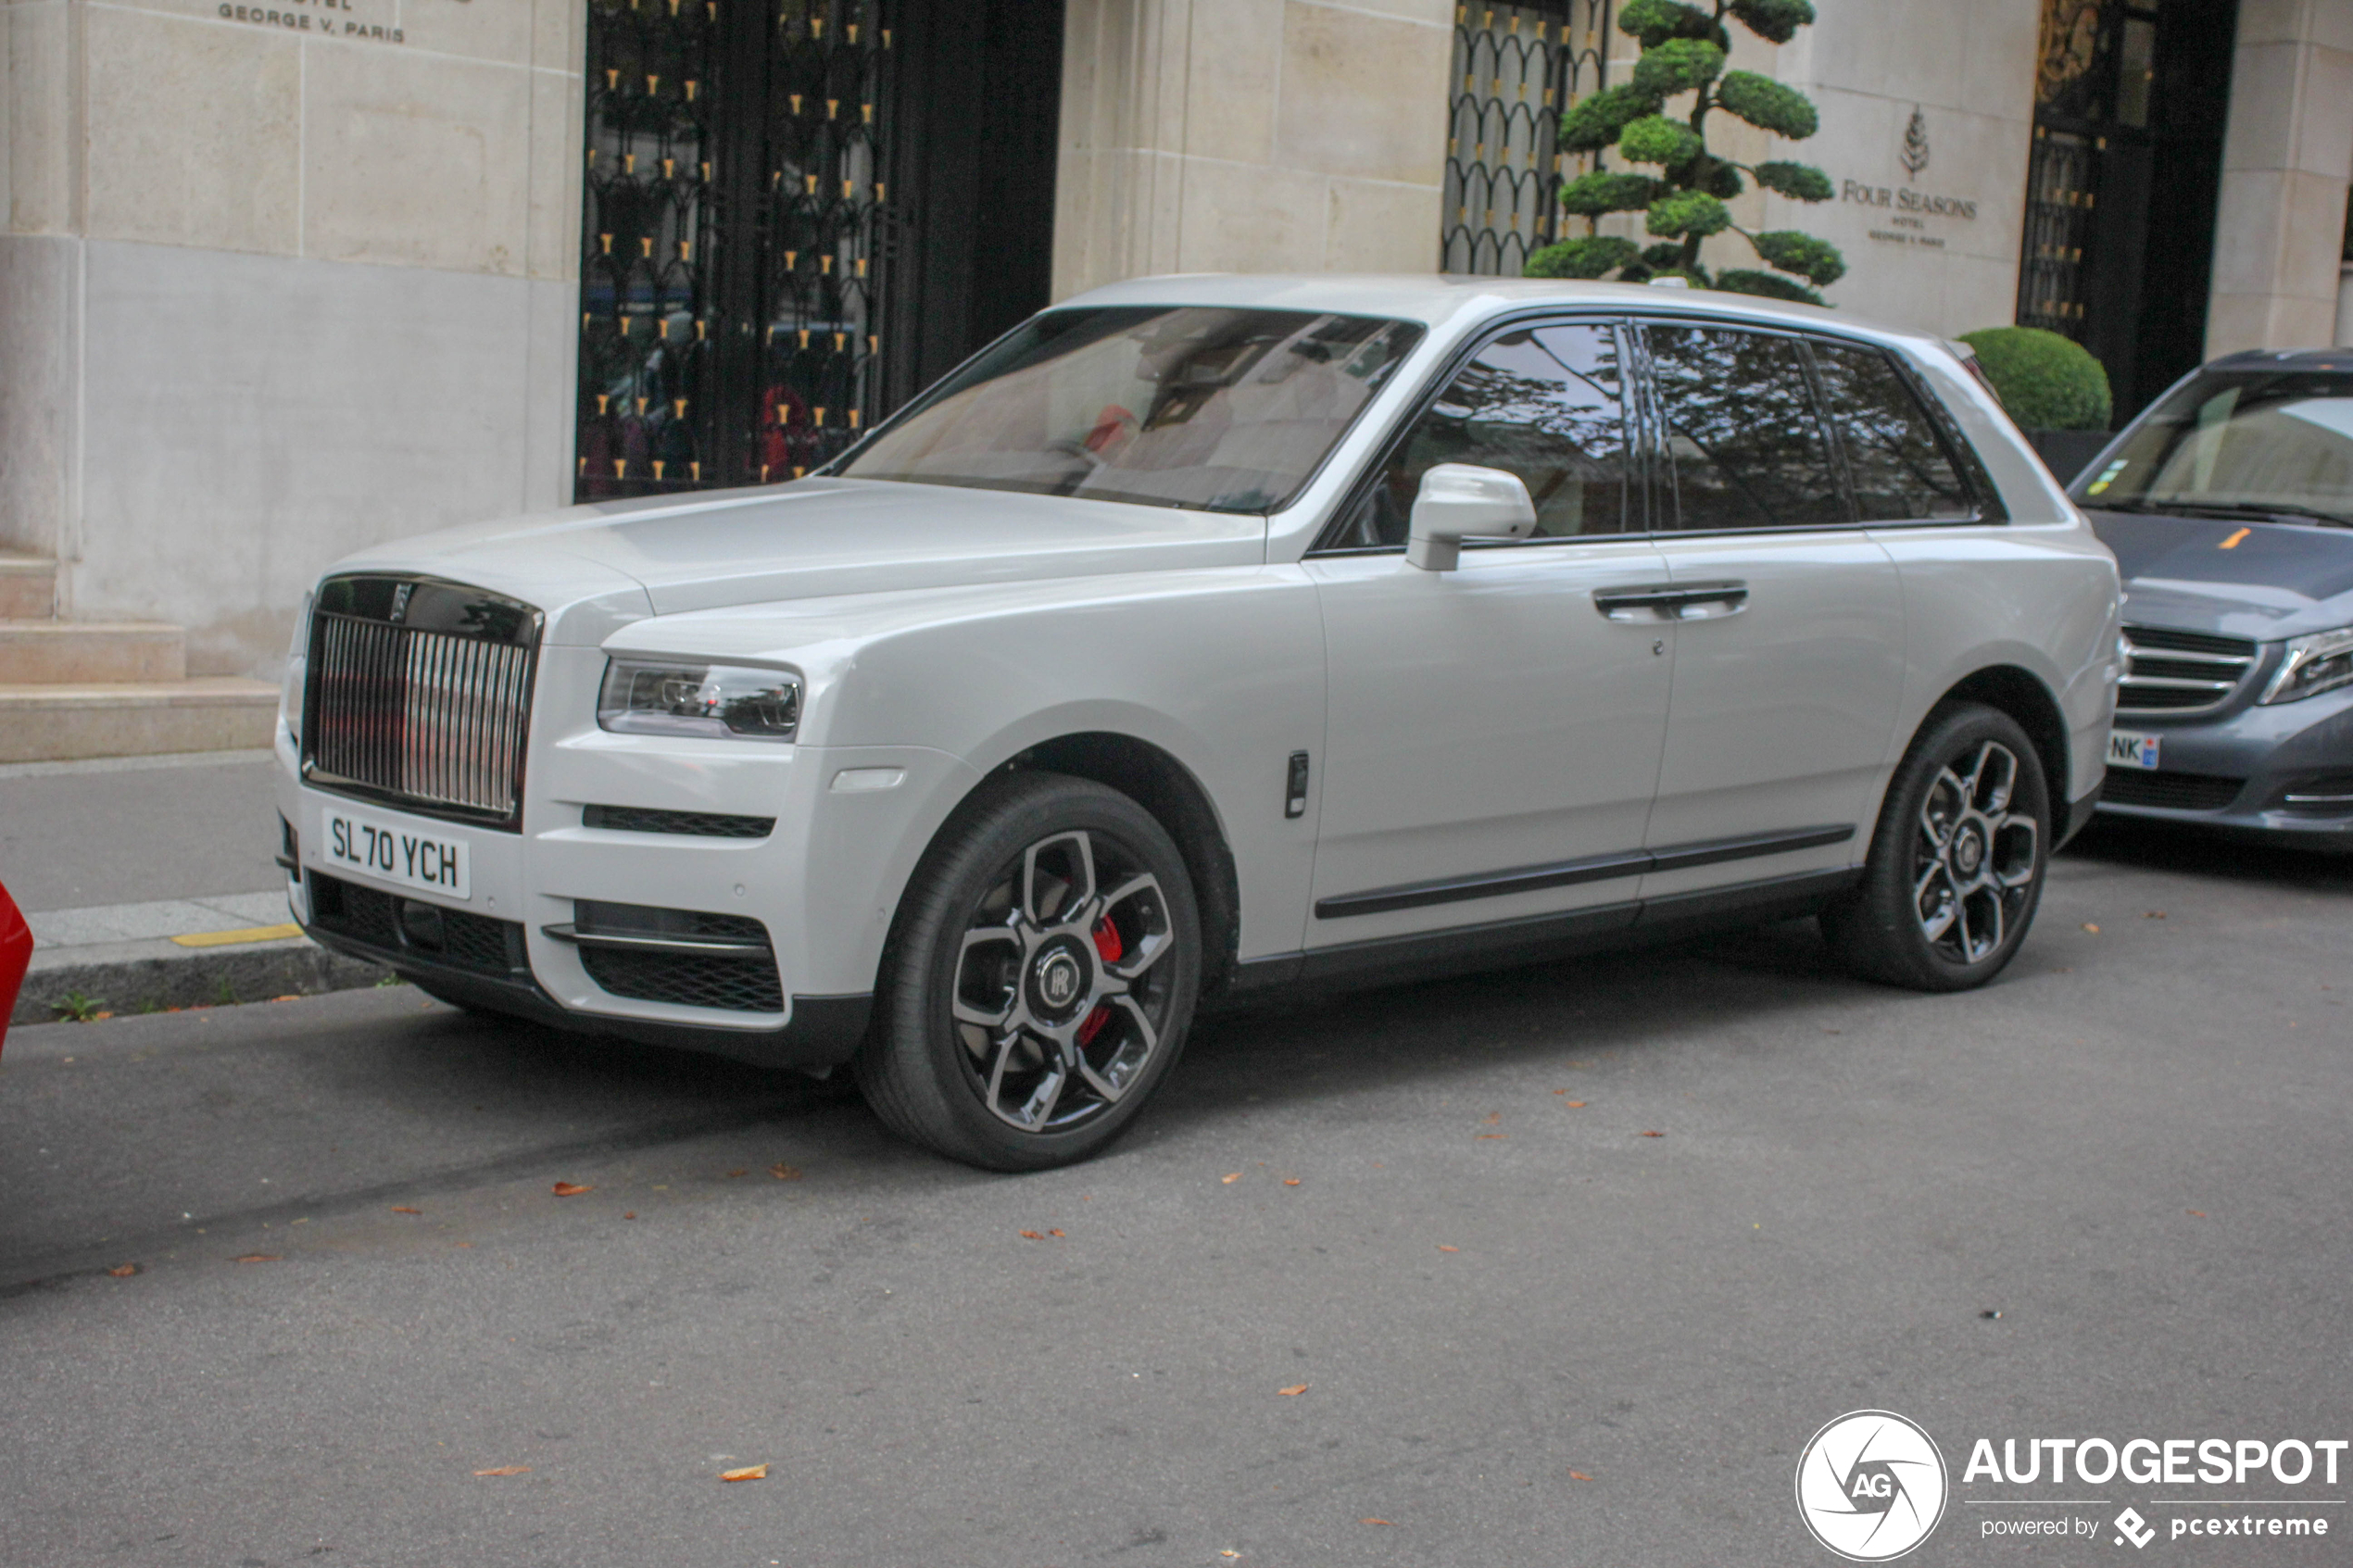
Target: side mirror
{"type": "Point", "coordinates": [1458, 501]}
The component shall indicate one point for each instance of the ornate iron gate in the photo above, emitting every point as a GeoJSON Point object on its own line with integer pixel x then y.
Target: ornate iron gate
{"type": "Point", "coordinates": [737, 239]}
{"type": "Point", "coordinates": [1516, 67]}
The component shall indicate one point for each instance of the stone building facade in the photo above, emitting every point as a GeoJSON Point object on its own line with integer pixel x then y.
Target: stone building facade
{"type": "Point", "coordinates": [279, 281]}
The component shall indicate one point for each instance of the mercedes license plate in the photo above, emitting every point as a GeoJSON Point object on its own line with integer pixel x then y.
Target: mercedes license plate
{"type": "Point", "coordinates": [2133, 748]}
{"type": "Point", "coordinates": [428, 862]}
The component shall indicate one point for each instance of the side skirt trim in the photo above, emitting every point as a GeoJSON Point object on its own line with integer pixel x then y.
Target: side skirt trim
{"type": "Point", "coordinates": [1567, 873]}
{"type": "Point", "coordinates": [1540, 938]}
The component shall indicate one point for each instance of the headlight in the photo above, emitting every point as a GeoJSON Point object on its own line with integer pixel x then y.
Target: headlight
{"type": "Point", "coordinates": [297, 662]}
{"type": "Point", "coordinates": [2320, 662]}
{"type": "Point", "coordinates": [674, 697]}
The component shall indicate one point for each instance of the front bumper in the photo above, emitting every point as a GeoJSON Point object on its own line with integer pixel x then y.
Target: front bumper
{"type": "Point", "coordinates": [2237, 770]}
{"type": "Point", "coordinates": [819, 885]}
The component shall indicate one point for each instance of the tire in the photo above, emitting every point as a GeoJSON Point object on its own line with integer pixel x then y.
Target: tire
{"type": "Point", "coordinates": [1016, 1029]}
{"type": "Point", "coordinates": [1958, 862]}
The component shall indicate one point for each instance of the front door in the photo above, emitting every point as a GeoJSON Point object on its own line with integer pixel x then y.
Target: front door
{"type": "Point", "coordinates": [1493, 737]}
{"type": "Point", "coordinates": [1788, 681]}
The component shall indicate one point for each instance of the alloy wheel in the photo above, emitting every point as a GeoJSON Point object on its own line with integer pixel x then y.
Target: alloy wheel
{"type": "Point", "coordinates": [1977, 857]}
{"type": "Point", "coordinates": [1061, 999]}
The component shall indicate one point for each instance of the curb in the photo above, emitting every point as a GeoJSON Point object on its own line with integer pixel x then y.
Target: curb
{"type": "Point", "coordinates": [129, 977]}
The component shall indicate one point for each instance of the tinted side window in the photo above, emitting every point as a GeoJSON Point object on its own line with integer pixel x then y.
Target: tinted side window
{"type": "Point", "coordinates": [1900, 469]}
{"type": "Point", "coordinates": [1546, 403]}
{"type": "Point", "coordinates": [1745, 447]}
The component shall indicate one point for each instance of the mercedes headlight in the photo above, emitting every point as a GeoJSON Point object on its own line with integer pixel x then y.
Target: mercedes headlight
{"type": "Point", "coordinates": [647, 696]}
{"type": "Point", "coordinates": [2320, 662]}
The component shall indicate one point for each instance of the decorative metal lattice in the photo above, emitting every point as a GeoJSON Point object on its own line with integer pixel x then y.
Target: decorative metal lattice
{"type": "Point", "coordinates": [1516, 67]}
{"type": "Point", "coordinates": [735, 233]}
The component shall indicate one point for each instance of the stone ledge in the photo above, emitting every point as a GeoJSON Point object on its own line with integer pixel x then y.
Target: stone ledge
{"type": "Point", "coordinates": [130, 977]}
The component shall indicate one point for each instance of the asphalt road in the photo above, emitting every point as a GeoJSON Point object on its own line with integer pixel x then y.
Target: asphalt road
{"type": "Point", "coordinates": [1529, 1333]}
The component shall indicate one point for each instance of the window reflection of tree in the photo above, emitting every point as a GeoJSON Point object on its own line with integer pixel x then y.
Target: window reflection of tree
{"type": "Point", "coordinates": [1749, 450]}
{"type": "Point", "coordinates": [1543, 406]}
{"type": "Point", "coordinates": [1899, 467]}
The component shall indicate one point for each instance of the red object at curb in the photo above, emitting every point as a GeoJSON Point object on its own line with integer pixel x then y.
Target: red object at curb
{"type": "Point", "coordinates": [16, 952]}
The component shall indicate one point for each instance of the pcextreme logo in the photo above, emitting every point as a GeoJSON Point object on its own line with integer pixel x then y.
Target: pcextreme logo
{"type": "Point", "coordinates": [1871, 1485]}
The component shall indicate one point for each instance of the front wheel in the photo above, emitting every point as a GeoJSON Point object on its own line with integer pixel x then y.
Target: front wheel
{"type": "Point", "coordinates": [1040, 978]}
{"type": "Point", "coordinates": [1956, 866]}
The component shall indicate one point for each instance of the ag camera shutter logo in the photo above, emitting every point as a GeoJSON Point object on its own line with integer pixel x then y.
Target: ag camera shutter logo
{"type": "Point", "coordinates": [1871, 1485]}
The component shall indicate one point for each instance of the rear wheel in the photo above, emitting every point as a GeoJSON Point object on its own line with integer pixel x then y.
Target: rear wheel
{"type": "Point", "coordinates": [1040, 979]}
{"type": "Point", "coordinates": [1956, 867]}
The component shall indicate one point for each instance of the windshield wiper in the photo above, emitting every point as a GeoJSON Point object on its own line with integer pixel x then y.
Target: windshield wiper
{"type": "Point", "coordinates": [2268, 511]}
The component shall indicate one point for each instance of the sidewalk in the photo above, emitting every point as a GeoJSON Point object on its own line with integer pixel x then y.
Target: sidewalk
{"type": "Point", "coordinates": [87, 848]}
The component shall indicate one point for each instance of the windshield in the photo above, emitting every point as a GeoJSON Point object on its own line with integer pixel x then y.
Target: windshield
{"type": "Point", "coordinates": [2238, 441]}
{"type": "Point", "coordinates": [1223, 409]}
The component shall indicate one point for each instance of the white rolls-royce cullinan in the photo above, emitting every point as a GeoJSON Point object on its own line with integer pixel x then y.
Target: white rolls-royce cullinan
{"type": "Point", "coordinates": [1216, 633]}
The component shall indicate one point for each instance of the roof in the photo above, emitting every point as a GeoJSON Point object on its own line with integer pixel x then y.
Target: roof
{"type": "Point", "coordinates": [2285, 358]}
{"type": "Point", "coordinates": [1437, 300]}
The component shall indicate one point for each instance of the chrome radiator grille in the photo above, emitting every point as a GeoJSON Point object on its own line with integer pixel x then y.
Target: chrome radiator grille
{"type": "Point", "coordinates": [2168, 671]}
{"type": "Point", "coordinates": [419, 693]}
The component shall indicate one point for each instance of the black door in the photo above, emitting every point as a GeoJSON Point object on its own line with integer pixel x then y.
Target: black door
{"type": "Point", "coordinates": [2131, 99]}
{"type": "Point", "coordinates": [797, 213]}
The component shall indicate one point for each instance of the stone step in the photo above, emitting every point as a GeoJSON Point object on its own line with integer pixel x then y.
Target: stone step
{"type": "Point", "coordinates": [28, 587]}
{"type": "Point", "coordinates": [58, 722]}
{"type": "Point", "coordinates": [90, 652]}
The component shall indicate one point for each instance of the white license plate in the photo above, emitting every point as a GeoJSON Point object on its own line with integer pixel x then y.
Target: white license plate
{"type": "Point", "coordinates": [2133, 748]}
{"type": "Point", "coordinates": [425, 861]}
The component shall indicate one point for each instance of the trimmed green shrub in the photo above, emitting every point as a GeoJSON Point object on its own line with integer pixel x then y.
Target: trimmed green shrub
{"type": "Point", "coordinates": [1684, 49]}
{"type": "Point", "coordinates": [2046, 381]}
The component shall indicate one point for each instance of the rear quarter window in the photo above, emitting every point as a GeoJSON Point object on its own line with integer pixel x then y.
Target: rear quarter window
{"type": "Point", "coordinates": [1896, 458]}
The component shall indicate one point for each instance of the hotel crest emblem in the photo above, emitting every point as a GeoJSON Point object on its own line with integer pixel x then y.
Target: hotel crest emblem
{"type": "Point", "coordinates": [1915, 153]}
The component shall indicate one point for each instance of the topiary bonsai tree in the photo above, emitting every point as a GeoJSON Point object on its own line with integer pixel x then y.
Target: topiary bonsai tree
{"type": "Point", "coordinates": [2046, 381]}
{"type": "Point", "coordinates": [1683, 51]}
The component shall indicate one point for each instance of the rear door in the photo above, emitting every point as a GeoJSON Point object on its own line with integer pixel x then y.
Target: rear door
{"type": "Point", "coordinates": [1789, 649]}
{"type": "Point", "coordinates": [1493, 736]}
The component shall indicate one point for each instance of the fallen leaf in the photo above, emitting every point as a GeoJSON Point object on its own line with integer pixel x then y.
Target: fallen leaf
{"type": "Point", "coordinates": [1229, 1181]}
{"type": "Point", "coordinates": [1485, 1135]}
{"type": "Point", "coordinates": [569, 1189]}
{"type": "Point", "coordinates": [2195, 1214]}
{"type": "Point", "coordinates": [1031, 1235]}
{"type": "Point", "coordinates": [2090, 927]}
{"type": "Point", "coordinates": [1442, 1247]}
{"type": "Point", "coordinates": [749, 1472]}
{"type": "Point", "coordinates": [1229, 1554]}
{"type": "Point", "coordinates": [2154, 914]}
{"type": "Point", "coordinates": [125, 1272]}
{"type": "Point", "coordinates": [785, 1172]}
{"type": "Point", "coordinates": [1058, 1233]}
{"type": "Point", "coordinates": [403, 1209]}
{"type": "Point", "coordinates": [258, 1258]}
{"type": "Point", "coordinates": [1650, 1135]}
{"type": "Point", "coordinates": [733, 1174]}
{"type": "Point", "coordinates": [1293, 1390]}
{"type": "Point", "coordinates": [631, 1215]}
{"type": "Point", "coordinates": [1390, 1522]}
{"type": "Point", "coordinates": [506, 1470]}
{"type": "Point", "coordinates": [1290, 1181]}
{"type": "Point", "coordinates": [1574, 1104]}
{"type": "Point", "coordinates": [1579, 1475]}
{"type": "Point", "coordinates": [1493, 1117]}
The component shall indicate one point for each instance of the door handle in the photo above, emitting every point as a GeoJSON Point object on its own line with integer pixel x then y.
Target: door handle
{"type": "Point", "coordinates": [1671, 601]}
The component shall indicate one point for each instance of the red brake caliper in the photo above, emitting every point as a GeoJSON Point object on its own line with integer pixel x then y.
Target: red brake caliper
{"type": "Point", "coordinates": [1107, 943]}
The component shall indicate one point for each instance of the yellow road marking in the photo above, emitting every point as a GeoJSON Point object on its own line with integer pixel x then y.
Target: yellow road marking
{"type": "Point", "coordinates": [231, 938]}
{"type": "Point", "coordinates": [2232, 541]}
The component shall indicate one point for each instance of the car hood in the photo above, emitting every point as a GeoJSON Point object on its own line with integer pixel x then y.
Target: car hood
{"type": "Point", "coordinates": [2260, 580]}
{"type": "Point", "coordinates": [595, 568]}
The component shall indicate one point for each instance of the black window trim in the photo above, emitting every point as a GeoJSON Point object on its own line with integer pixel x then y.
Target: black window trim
{"type": "Point", "coordinates": [1638, 477]}
{"type": "Point", "coordinates": [1967, 468]}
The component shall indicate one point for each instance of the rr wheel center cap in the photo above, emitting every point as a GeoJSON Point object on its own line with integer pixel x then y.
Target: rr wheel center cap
{"type": "Point", "coordinates": [1058, 981]}
{"type": "Point", "coordinates": [1969, 849]}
